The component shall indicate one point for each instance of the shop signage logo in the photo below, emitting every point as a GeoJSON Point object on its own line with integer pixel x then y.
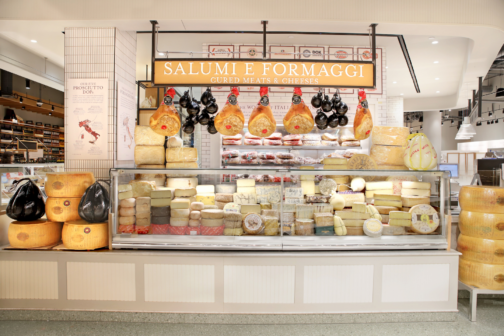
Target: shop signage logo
{"type": "Point", "coordinates": [225, 72]}
{"type": "Point", "coordinates": [306, 53]}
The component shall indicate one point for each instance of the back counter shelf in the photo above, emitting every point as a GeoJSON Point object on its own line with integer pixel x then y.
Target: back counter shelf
{"type": "Point", "coordinates": [286, 238]}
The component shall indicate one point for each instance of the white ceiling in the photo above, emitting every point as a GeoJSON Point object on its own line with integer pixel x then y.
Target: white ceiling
{"type": "Point", "coordinates": [463, 53]}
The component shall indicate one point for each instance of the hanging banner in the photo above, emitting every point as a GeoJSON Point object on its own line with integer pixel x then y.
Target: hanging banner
{"type": "Point", "coordinates": [236, 72]}
{"type": "Point", "coordinates": [86, 131]}
{"type": "Point", "coordinates": [126, 121]}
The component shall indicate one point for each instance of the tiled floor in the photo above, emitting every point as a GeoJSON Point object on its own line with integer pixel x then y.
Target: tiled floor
{"type": "Point", "coordinates": [490, 322]}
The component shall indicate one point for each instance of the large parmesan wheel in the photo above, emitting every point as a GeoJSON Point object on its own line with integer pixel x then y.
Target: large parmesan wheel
{"type": "Point", "coordinates": [81, 235]}
{"type": "Point", "coordinates": [484, 276]}
{"type": "Point", "coordinates": [62, 209]}
{"type": "Point", "coordinates": [34, 233]}
{"type": "Point", "coordinates": [390, 136]}
{"type": "Point", "coordinates": [486, 251]}
{"type": "Point", "coordinates": [362, 162]}
{"type": "Point", "coordinates": [487, 199]}
{"type": "Point", "coordinates": [69, 184]}
{"type": "Point", "coordinates": [387, 155]}
{"type": "Point", "coordinates": [481, 225]}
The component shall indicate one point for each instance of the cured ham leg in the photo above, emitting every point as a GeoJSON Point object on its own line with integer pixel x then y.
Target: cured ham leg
{"type": "Point", "coordinates": [299, 119]}
{"type": "Point", "coordinates": [261, 122]}
{"type": "Point", "coordinates": [363, 122]}
{"type": "Point", "coordinates": [230, 120]}
{"type": "Point", "coordinates": [166, 120]}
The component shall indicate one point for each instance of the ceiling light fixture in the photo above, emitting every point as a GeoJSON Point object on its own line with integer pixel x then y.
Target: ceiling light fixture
{"type": "Point", "coordinates": [22, 108]}
{"type": "Point", "coordinates": [438, 91]}
{"type": "Point", "coordinates": [492, 122]}
{"type": "Point", "coordinates": [28, 84]}
{"type": "Point", "coordinates": [402, 94]}
{"type": "Point", "coordinates": [33, 41]}
{"type": "Point", "coordinates": [478, 123]}
{"type": "Point", "coordinates": [488, 122]}
{"type": "Point", "coordinates": [453, 122]}
{"type": "Point", "coordinates": [160, 54]}
{"type": "Point", "coordinates": [496, 121]}
{"type": "Point", "coordinates": [52, 108]}
{"type": "Point", "coordinates": [435, 42]}
{"type": "Point", "coordinates": [39, 101]}
{"type": "Point", "coordinates": [437, 78]}
{"type": "Point", "coordinates": [50, 113]}
{"type": "Point", "coordinates": [394, 82]}
{"type": "Point", "coordinates": [436, 62]}
{"type": "Point", "coordinates": [490, 114]}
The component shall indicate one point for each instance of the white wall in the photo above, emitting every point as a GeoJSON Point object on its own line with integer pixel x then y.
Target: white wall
{"type": "Point", "coordinates": [432, 129]}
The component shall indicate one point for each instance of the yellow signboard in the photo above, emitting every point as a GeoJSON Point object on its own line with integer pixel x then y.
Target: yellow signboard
{"type": "Point", "coordinates": [230, 72]}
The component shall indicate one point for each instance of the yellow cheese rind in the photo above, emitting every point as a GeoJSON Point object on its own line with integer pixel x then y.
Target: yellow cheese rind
{"type": "Point", "coordinates": [145, 136]}
{"type": "Point", "coordinates": [424, 219]}
{"type": "Point", "coordinates": [416, 185]}
{"type": "Point", "coordinates": [371, 193]}
{"type": "Point", "coordinates": [387, 155]}
{"type": "Point", "coordinates": [359, 207]}
{"type": "Point", "coordinates": [335, 167]}
{"type": "Point", "coordinates": [160, 202]}
{"type": "Point", "coordinates": [181, 182]}
{"type": "Point", "coordinates": [487, 199]}
{"type": "Point", "coordinates": [410, 201]}
{"type": "Point", "coordinates": [484, 276]}
{"type": "Point", "coordinates": [33, 234]}
{"type": "Point", "coordinates": [180, 204]}
{"type": "Point", "coordinates": [335, 161]}
{"type": "Point", "coordinates": [389, 203]}
{"type": "Point", "coordinates": [390, 136]}
{"type": "Point", "coordinates": [415, 192]}
{"type": "Point", "coordinates": [352, 215]}
{"type": "Point", "coordinates": [62, 209]}
{"type": "Point", "coordinates": [213, 222]}
{"type": "Point", "coordinates": [481, 225]}
{"type": "Point", "coordinates": [487, 251]}
{"type": "Point", "coordinates": [399, 215]}
{"type": "Point", "coordinates": [233, 232]}
{"type": "Point", "coordinates": [69, 184]}
{"type": "Point", "coordinates": [81, 235]}
{"type": "Point", "coordinates": [149, 155]}
{"type": "Point", "coordinates": [399, 222]}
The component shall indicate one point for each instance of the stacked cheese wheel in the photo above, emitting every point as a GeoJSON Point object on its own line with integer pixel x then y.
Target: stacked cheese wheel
{"type": "Point", "coordinates": [81, 235]}
{"type": "Point", "coordinates": [149, 146]}
{"type": "Point", "coordinates": [64, 191]}
{"type": "Point", "coordinates": [212, 222]}
{"type": "Point", "coordinates": [388, 147]}
{"type": "Point", "coordinates": [232, 219]}
{"type": "Point", "coordinates": [481, 242]}
{"type": "Point", "coordinates": [31, 234]}
{"type": "Point", "coordinates": [159, 210]}
{"type": "Point", "coordinates": [180, 210]}
{"type": "Point", "coordinates": [205, 194]}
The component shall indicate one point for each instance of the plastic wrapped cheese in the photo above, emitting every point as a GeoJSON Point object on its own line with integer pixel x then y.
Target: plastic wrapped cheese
{"type": "Point", "coordinates": [390, 136]}
{"type": "Point", "coordinates": [145, 136]}
{"type": "Point", "coordinates": [387, 155]}
{"type": "Point", "coordinates": [149, 155]}
{"type": "Point", "coordinates": [419, 153]}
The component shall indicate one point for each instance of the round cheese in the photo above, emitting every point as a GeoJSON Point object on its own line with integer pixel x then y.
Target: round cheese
{"type": "Point", "coordinates": [387, 155]}
{"type": "Point", "coordinates": [486, 251]}
{"type": "Point", "coordinates": [197, 206]}
{"type": "Point", "coordinates": [481, 225]}
{"type": "Point", "coordinates": [180, 213]}
{"type": "Point", "coordinates": [212, 222]}
{"type": "Point", "coordinates": [81, 235]}
{"type": "Point", "coordinates": [397, 182]}
{"type": "Point", "coordinates": [373, 227]}
{"type": "Point", "coordinates": [33, 234]}
{"type": "Point", "coordinates": [62, 209]}
{"type": "Point", "coordinates": [358, 184]}
{"type": "Point", "coordinates": [390, 136]}
{"type": "Point", "coordinates": [194, 222]}
{"type": "Point", "coordinates": [220, 205]}
{"type": "Point", "coordinates": [124, 212]}
{"type": "Point", "coordinates": [210, 207]}
{"type": "Point", "coordinates": [160, 211]}
{"type": "Point", "coordinates": [179, 221]}
{"type": "Point", "coordinates": [327, 186]}
{"type": "Point", "coordinates": [212, 213]}
{"type": "Point", "coordinates": [487, 199]}
{"type": "Point", "coordinates": [253, 223]}
{"type": "Point", "coordinates": [233, 216]}
{"type": "Point", "coordinates": [483, 276]}
{"type": "Point", "coordinates": [339, 179]}
{"type": "Point", "coordinates": [143, 215]}
{"type": "Point", "coordinates": [362, 162]}
{"type": "Point", "coordinates": [127, 203]}
{"type": "Point", "coordinates": [194, 215]}
{"type": "Point", "coordinates": [68, 184]}
{"type": "Point", "coordinates": [129, 220]}
{"type": "Point", "coordinates": [424, 219]}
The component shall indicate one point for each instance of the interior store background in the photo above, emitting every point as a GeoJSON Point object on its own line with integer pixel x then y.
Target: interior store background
{"type": "Point", "coordinates": [450, 48]}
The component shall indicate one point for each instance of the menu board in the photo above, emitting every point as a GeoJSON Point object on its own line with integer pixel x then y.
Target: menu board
{"type": "Point", "coordinates": [126, 121]}
{"type": "Point", "coordinates": [221, 51]}
{"type": "Point", "coordinates": [87, 118]}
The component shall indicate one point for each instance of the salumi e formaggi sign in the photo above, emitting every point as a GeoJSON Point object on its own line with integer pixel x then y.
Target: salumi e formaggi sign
{"type": "Point", "coordinates": [205, 72]}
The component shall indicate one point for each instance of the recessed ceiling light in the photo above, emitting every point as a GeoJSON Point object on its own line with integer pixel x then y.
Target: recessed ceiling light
{"type": "Point", "coordinates": [160, 54]}
{"type": "Point", "coordinates": [436, 62]}
{"type": "Point", "coordinates": [386, 67]}
{"type": "Point", "coordinates": [449, 110]}
{"type": "Point", "coordinates": [431, 38]}
{"type": "Point", "coordinates": [437, 78]}
{"type": "Point", "coordinates": [394, 82]}
{"type": "Point", "coordinates": [33, 41]}
{"type": "Point", "coordinates": [438, 91]}
{"type": "Point", "coordinates": [435, 42]}
{"type": "Point", "coordinates": [402, 94]}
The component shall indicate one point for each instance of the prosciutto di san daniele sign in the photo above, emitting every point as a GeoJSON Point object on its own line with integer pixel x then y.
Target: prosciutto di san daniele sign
{"type": "Point", "coordinates": [210, 72]}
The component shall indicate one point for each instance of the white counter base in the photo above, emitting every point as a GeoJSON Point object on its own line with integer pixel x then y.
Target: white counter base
{"type": "Point", "coordinates": [231, 282]}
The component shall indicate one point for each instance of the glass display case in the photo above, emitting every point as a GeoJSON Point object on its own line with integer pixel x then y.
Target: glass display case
{"type": "Point", "coordinates": [319, 233]}
{"type": "Point", "coordinates": [35, 171]}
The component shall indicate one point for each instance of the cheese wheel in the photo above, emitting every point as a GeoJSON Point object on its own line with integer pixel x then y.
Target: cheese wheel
{"type": "Point", "coordinates": [253, 223]}
{"type": "Point", "coordinates": [233, 224]}
{"type": "Point", "coordinates": [327, 186]}
{"type": "Point", "coordinates": [481, 225]}
{"type": "Point", "coordinates": [160, 211]}
{"type": "Point", "coordinates": [129, 220]}
{"type": "Point", "coordinates": [127, 203]}
{"type": "Point", "coordinates": [194, 215]}
{"type": "Point", "coordinates": [424, 219]}
{"type": "Point", "coordinates": [81, 235]}
{"type": "Point", "coordinates": [179, 221]}
{"type": "Point", "coordinates": [194, 222]}
{"type": "Point", "coordinates": [233, 232]}
{"type": "Point", "coordinates": [149, 155]}
{"type": "Point", "coordinates": [143, 221]}
{"type": "Point", "coordinates": [124, 212]}
{"type": "Point", "coordinates": [397, 182]}
{"type": "Point", "coordinates": [484, 276]}
{"type": "Point", "coordinates": [362, 162]}
{"type": "Point", "coordinates": [212, 213]}
{"type": "Point", "coordinates": [180, 213]}
{"type": "Point", "coordinates": [68, 184]}
{"type": "Point", "coordinates": [373, 227]}
{"type": "Point", "coordinates": [62, 209]}
{"type": "Point", "coordinates": [385, 210]}
{"type": "Point", "coordinates": [125, 195]}
{"type": "Point", "coordinates": [198, 206]}
{"type": "Point", "coordinates": [212, 222]}
{"type": "Point", "coordinates": [487, 251]}
{"type": "Point", "coordinates": [387, 155]}
{"type": "Point", "coordinates": [143, 215]}
{"type": "Point", "coordinates": [181, 182]}
{"type": "Point", "coordinates": [487, 199]}
{"type": "Point", "coordinates": [33, 234]}
{"type": "Point", "coordinates": [390, 136]}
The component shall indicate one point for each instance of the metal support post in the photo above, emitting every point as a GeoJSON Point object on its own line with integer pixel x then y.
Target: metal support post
{"type": "Point", "coordinates": [373, 50]}
{"type": "Point", "coordinates": [264, 23]}
{"type": "Point", "coordinates": [153, 50]}
{"type": "Point", "coordinates": [480, 95]}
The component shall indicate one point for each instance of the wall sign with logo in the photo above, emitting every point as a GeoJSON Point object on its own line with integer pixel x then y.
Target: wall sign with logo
{"type": "Point", "coordinates": [311, 53]}
{"type": "Point", "coordinates": [341, 54]}
{"type": "Point", "coordinates": [365, 55]}
{"type": "Point", "coordinates": [247, 52]}
{"type": "Point", "coordinates": [221, 51]}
